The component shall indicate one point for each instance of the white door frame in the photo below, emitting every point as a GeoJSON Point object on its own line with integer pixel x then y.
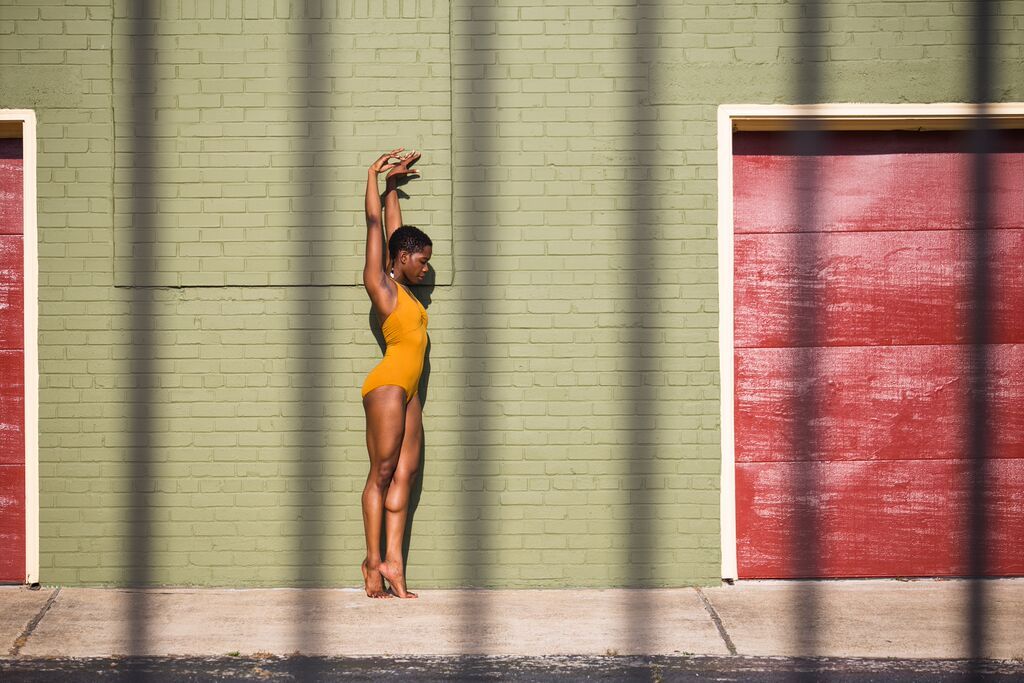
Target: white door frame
{"type": "Point", "coordinates": [30, 273]}
{"type": "Point", "coordinates": [777, 117]}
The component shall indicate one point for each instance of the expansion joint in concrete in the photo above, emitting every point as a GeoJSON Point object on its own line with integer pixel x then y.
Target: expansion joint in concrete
{"type": "Point", "coordinates": [23, 637]}
{"type": "Point", "coordinates": [718, 621]}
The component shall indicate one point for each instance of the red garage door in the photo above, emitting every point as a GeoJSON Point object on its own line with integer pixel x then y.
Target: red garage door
{"type": "Point", "coordinates": [12, 373]}
{"type": "Point", "coordinates": [869, 403]}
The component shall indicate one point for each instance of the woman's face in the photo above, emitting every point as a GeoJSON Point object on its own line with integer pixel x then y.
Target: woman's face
{"type": "Point", "coordinates": [414, 265]}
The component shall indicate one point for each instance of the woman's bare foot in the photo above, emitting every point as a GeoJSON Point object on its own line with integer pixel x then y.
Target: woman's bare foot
{"type": "Point", "coordinates": [373, 582]}
{"type": "Point", "coordinates": [392, 571]}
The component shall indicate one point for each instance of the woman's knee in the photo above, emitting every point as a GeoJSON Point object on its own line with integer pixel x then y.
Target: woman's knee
{"type": "Point", "coordinates": [383, 473]}
{"type": "Point", "coordinates": [405, 476]}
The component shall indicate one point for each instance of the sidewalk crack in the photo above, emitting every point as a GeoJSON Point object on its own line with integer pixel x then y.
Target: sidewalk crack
{"type": "Point", "coordinates": [22, 638]}
{"type": "Point", "coordinates": [718, 621]}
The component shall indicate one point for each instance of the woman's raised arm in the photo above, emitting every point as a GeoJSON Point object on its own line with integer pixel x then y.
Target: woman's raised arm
{"type": "Point", "coordinates": [399, 175]}
{"type": "Point", "coordinates": [374, 275]}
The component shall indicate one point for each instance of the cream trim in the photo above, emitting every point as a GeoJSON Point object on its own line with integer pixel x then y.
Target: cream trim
{"type": "Point", "coordinates": [947, 116]}
{"type": "Point", "coordinates": [736, 117]}
{"type": "Point", "coordinates": [30, 248]}
{"type": "Point", "coordinates": [726, 367]}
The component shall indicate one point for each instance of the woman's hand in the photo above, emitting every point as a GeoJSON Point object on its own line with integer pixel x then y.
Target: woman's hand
{"type": "Point", "coordinates": [400, 172]}
{"type": "Point", "coordinates": [383, 163]}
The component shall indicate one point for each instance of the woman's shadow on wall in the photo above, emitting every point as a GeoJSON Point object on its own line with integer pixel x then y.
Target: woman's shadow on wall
{"type": "Point", "coordinates": [424, 293]}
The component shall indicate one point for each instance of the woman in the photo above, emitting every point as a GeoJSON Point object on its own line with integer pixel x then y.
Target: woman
{"type": "Point", "coordinates": [394, 424]}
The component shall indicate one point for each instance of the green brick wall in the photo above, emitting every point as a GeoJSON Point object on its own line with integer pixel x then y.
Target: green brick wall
{"type": "Point", "coordinates": [201, 341]}
{"type": "Point", "coordinates": [248, 124]}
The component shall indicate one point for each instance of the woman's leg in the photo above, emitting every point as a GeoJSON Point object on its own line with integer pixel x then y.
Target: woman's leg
{"type": "Point", "coordinates": [396, 505]}
{"type": "Point", "coordinates": [385, 429]}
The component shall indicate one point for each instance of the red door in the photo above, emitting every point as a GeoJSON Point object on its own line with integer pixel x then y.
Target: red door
{"type": "Point", "coordinates": [857, 424]}
{"type": "Point", "coordinates": [12, 373]}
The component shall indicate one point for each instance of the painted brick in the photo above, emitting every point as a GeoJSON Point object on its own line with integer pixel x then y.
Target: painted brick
{"type": "Point", "coordinates": [569, 181]}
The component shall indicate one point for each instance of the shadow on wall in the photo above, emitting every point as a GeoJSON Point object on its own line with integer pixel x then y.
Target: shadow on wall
{"type": "Point", "coordinates": [806, 141]}
{"type": "Point", "coordinates": [311, 342]}
{"type": "Point", "coordinates": [474, 119]}
{"type": "Point", "coordinates": [142, 322]}
{"type": "Point", "coordinates": [981, 147]}
{"type": "Point", "coordinates": [642, 345]}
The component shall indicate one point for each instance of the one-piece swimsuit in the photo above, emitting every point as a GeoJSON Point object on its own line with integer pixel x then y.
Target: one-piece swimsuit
{"type": "Point", "coordinates": [405, 332]}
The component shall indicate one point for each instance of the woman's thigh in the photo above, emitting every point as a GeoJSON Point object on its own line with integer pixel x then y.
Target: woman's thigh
{"type": "Point", "coordinates": [385, 422]}
{"type": "Point", "coordinates": [412, 442]}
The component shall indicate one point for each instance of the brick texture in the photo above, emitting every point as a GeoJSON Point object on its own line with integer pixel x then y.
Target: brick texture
{"type": "Point", "coordinates": [241, 131]}
{"type": "Point", "coordinates": [569, 178]}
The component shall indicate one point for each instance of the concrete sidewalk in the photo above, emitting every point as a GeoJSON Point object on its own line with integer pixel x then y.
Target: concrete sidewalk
{"type": "Point", "coordinates": [925, 619]}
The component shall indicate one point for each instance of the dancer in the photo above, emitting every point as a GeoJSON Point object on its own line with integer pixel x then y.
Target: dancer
{"type": "Point", "coordinates": [394, 418]}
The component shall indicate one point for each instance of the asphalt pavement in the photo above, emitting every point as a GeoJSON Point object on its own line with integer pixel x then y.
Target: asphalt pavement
{"type": "Point", "coordinates": [535, 669]}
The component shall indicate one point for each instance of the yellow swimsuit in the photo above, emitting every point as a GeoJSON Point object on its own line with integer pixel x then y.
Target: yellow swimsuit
{"type": "Point", "coordinates": [405, 332]}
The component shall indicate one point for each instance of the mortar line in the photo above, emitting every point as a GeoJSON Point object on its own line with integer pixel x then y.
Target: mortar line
{"type": "Point", "coordinates": [30, 628]}
{"type": "Point", "coordinates": [718, 621]}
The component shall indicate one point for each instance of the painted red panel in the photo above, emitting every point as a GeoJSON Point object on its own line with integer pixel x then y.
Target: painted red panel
{"type": "Point", "coordinates": [12, 408]}
{"type": "Point", "coordinates": [11, 187]}
{"type": "Point", "coordinates": [886, 374]}
{"type": "Point", "coordinates": [871, 181]}
{"type": "Point", "coordinates": [12, 390]}
{"type": "Point", "coordinates": [903, 518]}
{"type": "Point", "coordinates": [12, 292]}
{"type": "Point", "coordinates": [874, 403]}
{"type": "Point", "coordinates": [908, 287]}
{"type": "Point", "coordinates": [12, 524]}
